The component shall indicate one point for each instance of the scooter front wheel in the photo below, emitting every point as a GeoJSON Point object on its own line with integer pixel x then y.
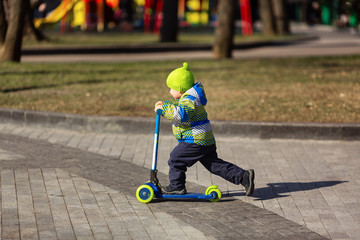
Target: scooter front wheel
{"type": "Point", "coordinates": [144, 193]}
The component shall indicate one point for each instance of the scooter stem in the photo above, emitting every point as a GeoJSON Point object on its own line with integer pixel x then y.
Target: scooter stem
{"type": "Point", "coordinates": [156, 140]}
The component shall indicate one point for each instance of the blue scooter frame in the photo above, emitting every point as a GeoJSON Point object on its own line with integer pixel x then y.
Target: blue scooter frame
{"type": "Point", "coordinates": [145, 193]}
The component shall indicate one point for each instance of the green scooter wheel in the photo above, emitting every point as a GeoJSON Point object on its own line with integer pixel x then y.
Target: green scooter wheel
{"type": "Point", "coordinates": [218, 194]}
{"type": "Point", "coordinates": [144, 193]}
{"type": "Point", "coordinates": [209, 188]}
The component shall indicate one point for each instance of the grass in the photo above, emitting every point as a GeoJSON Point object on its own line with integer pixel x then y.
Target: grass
{"type": "Point", "coordinates": [316, 89]}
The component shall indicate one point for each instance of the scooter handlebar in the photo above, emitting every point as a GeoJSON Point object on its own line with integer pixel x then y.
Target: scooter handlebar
{"type": "Point", "coordinates": [159, 111]}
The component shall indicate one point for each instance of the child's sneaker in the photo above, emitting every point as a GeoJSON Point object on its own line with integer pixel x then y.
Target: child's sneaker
{"type": "Point", "coordinates": [248, 181]}
{"type": "Point", "coordinates": [171, 190]}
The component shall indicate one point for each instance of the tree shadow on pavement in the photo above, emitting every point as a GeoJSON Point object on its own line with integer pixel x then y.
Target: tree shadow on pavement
{"type": "Point", "coordinates": [279, 190]}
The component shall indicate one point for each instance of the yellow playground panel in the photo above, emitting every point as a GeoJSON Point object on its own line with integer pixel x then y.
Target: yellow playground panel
{"type": "Point", "coordinates": [197, 12]}
{"type": "Point", "coordinates": [191, 12]}
{"type": "Point", "coordinates": [76, 6]}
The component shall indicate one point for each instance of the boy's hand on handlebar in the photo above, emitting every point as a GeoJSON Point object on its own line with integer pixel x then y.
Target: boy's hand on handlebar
{"type": "Point", "coordinates": [159, 105]}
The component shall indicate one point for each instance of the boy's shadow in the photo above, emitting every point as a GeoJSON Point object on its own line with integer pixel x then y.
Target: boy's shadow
{"type": "Point", "coordinates": [278, 190]}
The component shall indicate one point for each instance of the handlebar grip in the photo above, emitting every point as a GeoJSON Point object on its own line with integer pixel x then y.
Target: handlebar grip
{"type": "Point", "coordinates": [159, 112]}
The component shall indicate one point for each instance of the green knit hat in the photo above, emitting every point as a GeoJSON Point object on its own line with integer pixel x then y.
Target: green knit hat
{"type": "Point", "coordinates": [181, 79]}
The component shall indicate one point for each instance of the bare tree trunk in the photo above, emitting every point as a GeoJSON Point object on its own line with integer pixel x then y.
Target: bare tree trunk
{"type": "Point", "coordinates": [224, 34]}
{"type": "Point", "coordinates": [304, 10]}
{"type": "Point", "coordinates": [266, 15]}
{"type": "Point", "coordinates": [11, 49]}
{"type": "Point", "coordinates": [3, 23]}
{"type": "Point", "coordinates": [169, 29]}
{"type": "Point", "coordinates": [280, 17]}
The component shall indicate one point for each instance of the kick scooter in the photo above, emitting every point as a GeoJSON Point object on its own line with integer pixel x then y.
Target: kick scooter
{"type": "Point", "coordinates": [145, 193]}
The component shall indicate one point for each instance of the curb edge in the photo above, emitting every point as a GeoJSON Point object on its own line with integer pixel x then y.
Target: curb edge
{"type": "Point", "coordinates": [142, 125]}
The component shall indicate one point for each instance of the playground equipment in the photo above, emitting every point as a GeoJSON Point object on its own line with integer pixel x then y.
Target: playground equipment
{"type": "Point", "coordinates": [245, 13]}
{"type": "Point", "coordinates": [58, 13]}
{"type": "Point", "coordinates": [153, 9]}
{"type": "Point", "coordinates": [193, 13]}
{"type": "Point", "coordinates": [74, 13]}
{"type": "Point", "coordinates": [90, 14]}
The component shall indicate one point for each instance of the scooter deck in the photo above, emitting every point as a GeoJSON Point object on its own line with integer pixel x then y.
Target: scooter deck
{"type": "Point", "coordinates": [159, 194]}
{"type": "Point", "coordinates": [187, 196]}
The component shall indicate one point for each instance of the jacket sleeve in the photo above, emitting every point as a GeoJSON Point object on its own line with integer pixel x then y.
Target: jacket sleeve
{"type": "Point", "coordinates": [179, 112]}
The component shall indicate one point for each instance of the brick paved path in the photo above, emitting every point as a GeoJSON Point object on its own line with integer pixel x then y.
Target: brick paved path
{"type": "Point", "coordinates": [67, 184]}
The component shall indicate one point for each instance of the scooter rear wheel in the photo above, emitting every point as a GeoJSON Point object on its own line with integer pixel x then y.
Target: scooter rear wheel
{"type": "Point", "coordinates": [207, 191]}
{"type": "Point", "coordinates": [144, 193]}
{"type": "Point", "coordinates": [217, 192]}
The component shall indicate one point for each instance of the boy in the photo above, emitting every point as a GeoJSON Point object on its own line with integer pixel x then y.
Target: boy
{"type": "Point", "coordinates": [192, 129]}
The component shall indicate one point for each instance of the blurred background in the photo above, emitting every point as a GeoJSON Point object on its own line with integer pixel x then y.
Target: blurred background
{"type": "Point", "coordinates": [164, 20]}
{"type": "Point", "coordinates": [285, 60]}
{"type": "Point", "coordinates": [146, 15]}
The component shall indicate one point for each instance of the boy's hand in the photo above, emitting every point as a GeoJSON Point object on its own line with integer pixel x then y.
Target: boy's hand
{"type": "Point", "coordinates": [159, 105]}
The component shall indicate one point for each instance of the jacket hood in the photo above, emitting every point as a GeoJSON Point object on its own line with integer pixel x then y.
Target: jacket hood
{"type": "Point", "coordinates": [197, 91]}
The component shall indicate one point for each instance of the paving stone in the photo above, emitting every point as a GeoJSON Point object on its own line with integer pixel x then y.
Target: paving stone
{"type": "Point", "coordinates": [75, 140]}
{"type": "Point", "coordinates": [107, 145]}
{"type": "Point", "coordinates": [46, 230]}
{"type": "Point", "coordinates": [129, 148]}
{"type": "Point", "coordinates": [85, 142]}
{"type": "Point", "coordinates": [10, 231]}
{"type": "Point", "coordinates": [8, 156]}
{"type": "Point", "coordinates": [117, 146]}
{"type": "Point", "coordinates": [286, 172]}
{"type": "Point", "coordinates": [96, 143]}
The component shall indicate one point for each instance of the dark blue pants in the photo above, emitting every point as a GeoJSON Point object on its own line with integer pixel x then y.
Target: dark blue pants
{"type": "Point", "coordinates": [185, 155]}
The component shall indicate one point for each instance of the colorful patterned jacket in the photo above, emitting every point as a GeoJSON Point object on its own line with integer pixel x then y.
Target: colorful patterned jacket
{"type": "Point", "coordinates": [189, 118]}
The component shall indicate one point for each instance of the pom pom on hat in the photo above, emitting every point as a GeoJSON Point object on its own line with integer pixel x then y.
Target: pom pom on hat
{"type": "Point", "coordinates": [181, 79]}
